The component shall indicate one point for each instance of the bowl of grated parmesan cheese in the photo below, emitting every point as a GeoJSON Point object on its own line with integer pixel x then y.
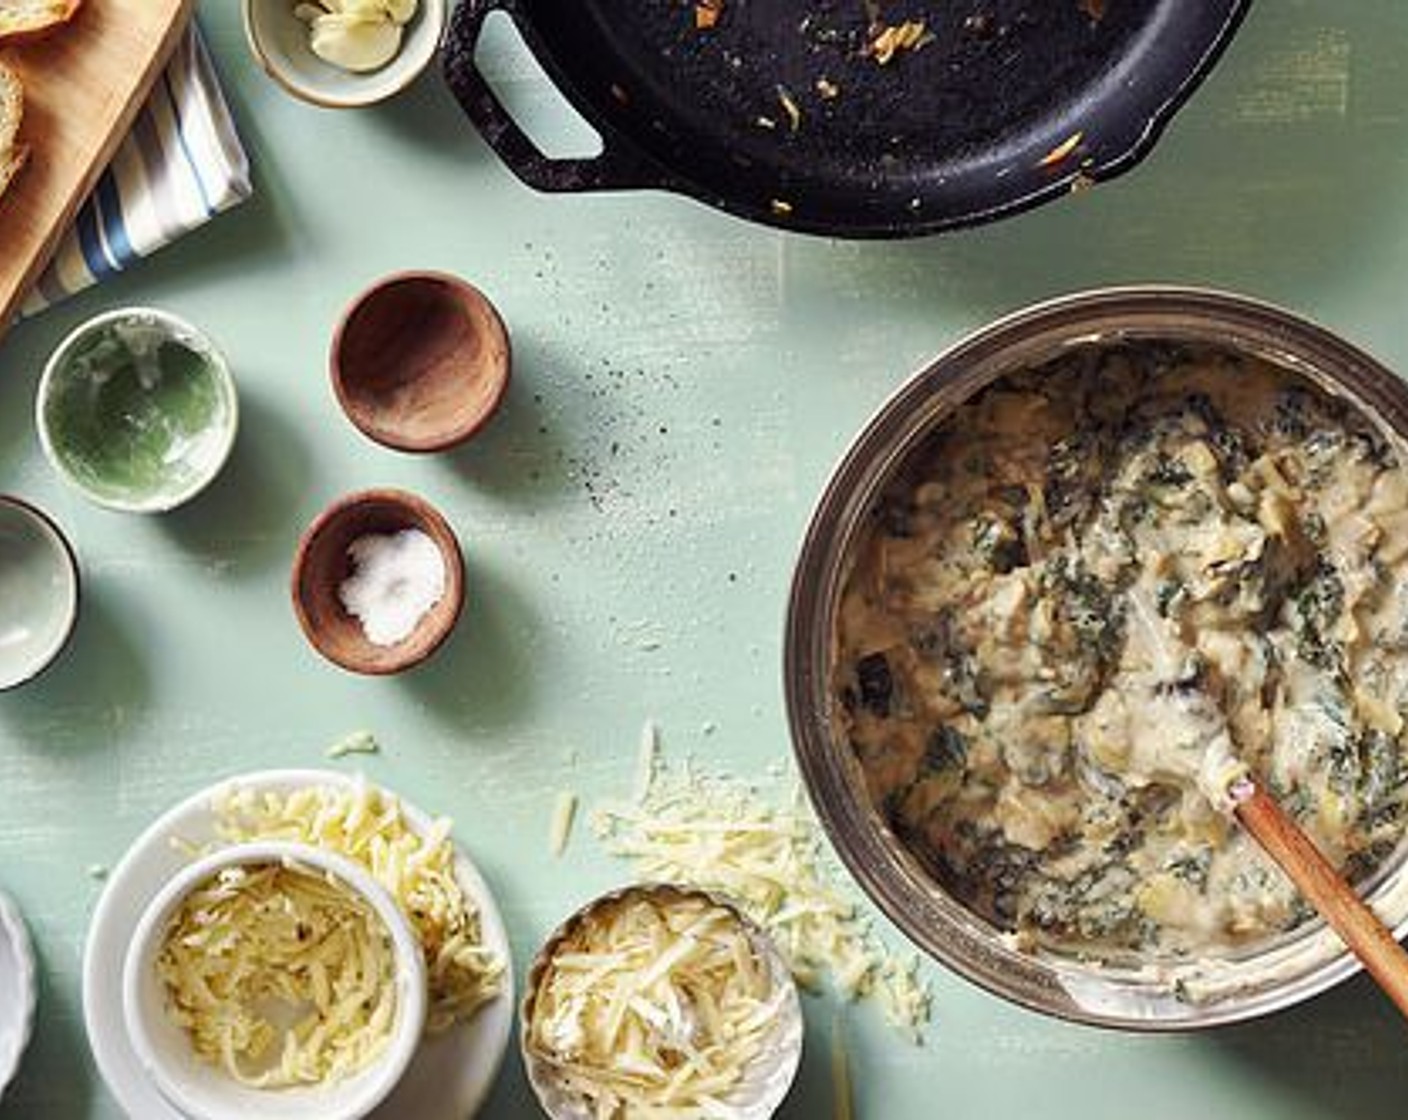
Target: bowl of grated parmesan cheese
{"type": "Point", "coordinates": [275, 980]}
{"type": "Point", "coordinates": [660, 1001]}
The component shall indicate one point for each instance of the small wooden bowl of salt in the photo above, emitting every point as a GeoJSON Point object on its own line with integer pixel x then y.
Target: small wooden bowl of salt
{"type": "Point", "coordinates": [378, 582]}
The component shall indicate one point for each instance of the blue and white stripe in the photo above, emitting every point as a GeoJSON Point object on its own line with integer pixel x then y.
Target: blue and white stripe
{"type": "Point", "coordinates": [181, 165]}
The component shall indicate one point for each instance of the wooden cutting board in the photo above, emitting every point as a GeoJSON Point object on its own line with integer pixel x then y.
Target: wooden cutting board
{"type": "Point", "coordinates": [83, 87]}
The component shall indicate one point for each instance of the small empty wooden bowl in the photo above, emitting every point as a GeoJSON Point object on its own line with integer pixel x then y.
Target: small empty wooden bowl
{"type": "Point", "coordinates": [420, 361]}
{"type": "Point", "coordinates": [323, 564]}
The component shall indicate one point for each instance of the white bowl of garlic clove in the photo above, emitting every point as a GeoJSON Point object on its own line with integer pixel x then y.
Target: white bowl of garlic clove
{"type": "Point", "coordinates": [345, 54]}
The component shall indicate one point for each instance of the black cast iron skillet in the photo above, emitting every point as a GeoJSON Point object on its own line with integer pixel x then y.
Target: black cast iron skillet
{"type": "Point", "coordinates": [1009, 104]}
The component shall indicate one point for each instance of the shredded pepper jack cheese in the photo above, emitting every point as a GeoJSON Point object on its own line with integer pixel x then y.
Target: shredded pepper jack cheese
{"type": "Point", "coordinates": [252, 945]}
{"type": "Point", "coordinates": [655, 1009]}
{"type": "Point", "coordinates": [367, 826]}
{"type": "Point", "coordinates": [716, 834]}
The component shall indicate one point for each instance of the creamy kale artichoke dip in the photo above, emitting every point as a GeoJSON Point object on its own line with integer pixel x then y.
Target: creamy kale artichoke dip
{"type": "Point", "coordinates": [1093, 588]}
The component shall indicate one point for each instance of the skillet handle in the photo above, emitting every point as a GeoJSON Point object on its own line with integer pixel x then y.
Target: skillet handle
{"type": "Point", "coordinates": [618, 167]}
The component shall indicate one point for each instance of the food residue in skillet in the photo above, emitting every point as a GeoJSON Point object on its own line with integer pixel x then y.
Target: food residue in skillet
{"type": "Point", "coordinates": [1062, 151]}
{"type": "Point", "coordinates": [879, 36]}
{"type": "Point", "coordinates": [707, 12]}
{"type": "Point", "coordinates": [886, 40]}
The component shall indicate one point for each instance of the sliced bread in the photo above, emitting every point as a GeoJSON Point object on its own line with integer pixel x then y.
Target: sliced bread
{"type": "Point", "coordinates": [12, 153]}
{"type": "Point", "coordinates": [29, 19]}
{"type": "Point", "coordinates": [11, 108]}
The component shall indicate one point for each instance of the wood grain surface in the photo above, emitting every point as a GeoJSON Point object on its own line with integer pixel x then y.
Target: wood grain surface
{"type": "Point", "coordinates": [83, 87]}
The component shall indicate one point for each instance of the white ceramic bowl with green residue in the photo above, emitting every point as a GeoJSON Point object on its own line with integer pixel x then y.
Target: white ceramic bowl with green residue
{"type": "Point", "coordinates": [137, 410]}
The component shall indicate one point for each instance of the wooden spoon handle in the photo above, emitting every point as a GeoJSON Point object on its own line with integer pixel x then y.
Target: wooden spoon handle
{"type": "Point", "coordinates": [1371, 941]}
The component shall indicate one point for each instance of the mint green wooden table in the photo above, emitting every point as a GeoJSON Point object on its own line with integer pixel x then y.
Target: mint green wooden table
{"type": "Point", "coordinates": [684, 384]}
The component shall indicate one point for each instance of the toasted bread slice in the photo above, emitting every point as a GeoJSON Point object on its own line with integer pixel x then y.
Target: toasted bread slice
{"type": "Point", "coordinates": [11, 108]}
{"type": "Point", "coordinates": [12, 153]}
{"type": "Point", "coordinates": [29, 19]}
{"type": "Point", "coordinates": [11, 165]}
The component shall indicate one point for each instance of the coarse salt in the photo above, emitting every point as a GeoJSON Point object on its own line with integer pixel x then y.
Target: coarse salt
{"type": "Point", "coordinates": [397, 579]}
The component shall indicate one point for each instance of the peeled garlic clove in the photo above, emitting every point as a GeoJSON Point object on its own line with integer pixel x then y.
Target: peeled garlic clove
{"type": "Point", "coordinates": [370, 11]}
{"type": "Point", "coordinates": [401, 11]}
{"type": "Point", "coordinates": [354, 43]}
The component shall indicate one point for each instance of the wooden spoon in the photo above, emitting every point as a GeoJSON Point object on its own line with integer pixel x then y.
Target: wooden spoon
{"type": "Point", "coordinates": [1222, 779]}
{"type": "Point", "coordinates": [1367, 937]}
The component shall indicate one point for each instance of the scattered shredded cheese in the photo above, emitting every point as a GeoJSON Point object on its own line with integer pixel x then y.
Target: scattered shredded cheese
{"type": "Point", "coordinates": [716, 834]}
{"type": "Point", "coordinates": [252, 946]}
{"type": "Point", "coordinates": [359, 742]}
{"type": "Point", "coordinates": [646, 760]}
{"type": "Point", "coordinates": [652, 1008]}
{"type": "Point", "coordinates": [563, 814]}
{"type": "Point", "coordinates": [418, 871]}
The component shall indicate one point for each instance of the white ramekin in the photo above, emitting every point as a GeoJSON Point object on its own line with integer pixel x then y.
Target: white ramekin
{"type": "Point", "coordinates": [203, 1091]}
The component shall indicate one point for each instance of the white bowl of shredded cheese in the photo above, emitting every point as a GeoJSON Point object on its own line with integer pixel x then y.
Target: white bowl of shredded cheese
{"type": "Point", "coordinates": [274, 980]}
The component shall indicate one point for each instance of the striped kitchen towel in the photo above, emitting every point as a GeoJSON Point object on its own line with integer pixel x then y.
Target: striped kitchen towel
{"type": "Point", "coordinates": [181, 165]}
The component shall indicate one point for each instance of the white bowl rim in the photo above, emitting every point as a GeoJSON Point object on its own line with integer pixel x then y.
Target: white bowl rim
{"type": "Point", "coordinates": [224, 379]}
{"type": "Point", "coordinates": [64, 549]}
{"type": "Point", "coordinates": [412, 993]}
{"type": "Point", "coordinates": [12, 929]}
{"type": "Point", "coordinates": [448, 1080]}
